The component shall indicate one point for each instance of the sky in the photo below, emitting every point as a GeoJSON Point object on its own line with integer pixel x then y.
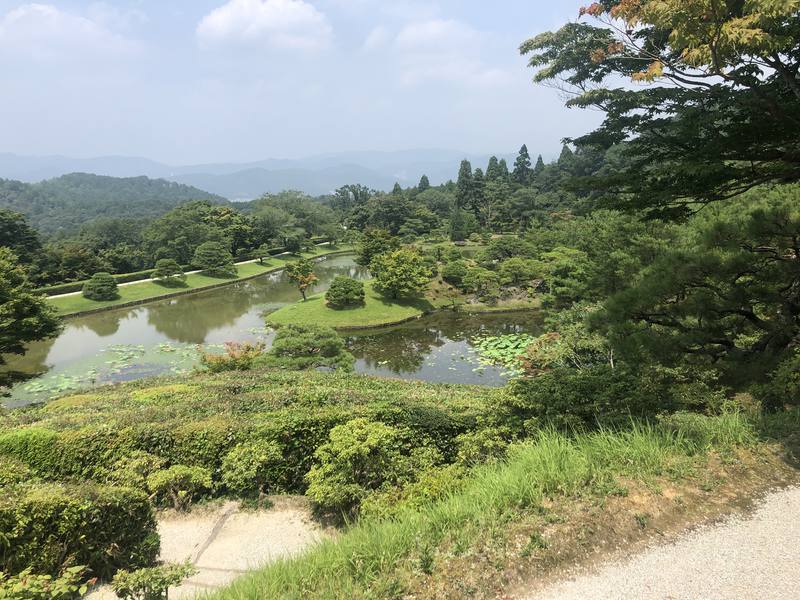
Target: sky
{"type": "Point", "coordinates": [192, 81]}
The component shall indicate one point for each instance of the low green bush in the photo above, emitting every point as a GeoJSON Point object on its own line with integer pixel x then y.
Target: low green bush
{"type": "Point", "coordinates": [150, 583]}
{"type": "Point", "coordinates": [345, 292]}
{"type": "Point", "coordinates": [308, 347]}
{"type": "Point", "coordinates": [454, 273]}
{"type": "Point", "coordinates": [179, 485]}
{"type": "Point", "coordinates": [483, 283]}
{"type": "Point", "coordinates": [13, 472]}
{"type": "Point", "coordinates": [253, 468]}
{"type": "Point", "coordinates": [483, 445]}
{"type": "Point", "coordinates": [102, 286]}
{"type": "Point", "coordinates": [50, 527]}
{"type": "Point", "coordinates": [168, 272]}
{"type": "Point", "coordinates": [783, 387]}
{"type": "Point", "coordinates": [133, 470]}
{"type": "Point", "coordinates": [27, 585]}
{"type": "Point", "coordinates": [573, 398]}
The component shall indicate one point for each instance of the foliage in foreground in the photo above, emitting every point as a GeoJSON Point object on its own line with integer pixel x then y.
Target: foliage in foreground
{"type": "Point", "coordinates": [549, 467]}
{"type": "Point", "coordinates": [150, 583]}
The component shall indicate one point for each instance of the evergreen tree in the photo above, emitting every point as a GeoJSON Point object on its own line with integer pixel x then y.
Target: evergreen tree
{"type": "Point", "coordinates": [566, 157]}
{"type": "Point", "coordinates": [423, 184]}
{"type": "Point", "coordinates": [397, 190]}
{"type": "Point", "coordinates": [458, 225]}
{"type": "Point", "coordinates": [464, 185]}
{"type": "Point", "coordinates": [522, 166]}
{"type": "Point", "coordinates": [493, 172]}
{"type": "Point", "coordinates": [503, 165]}
{"type": "Point", "coordinates": [478, 192]}
{"type": "Point", "coordinates": [537, 170]}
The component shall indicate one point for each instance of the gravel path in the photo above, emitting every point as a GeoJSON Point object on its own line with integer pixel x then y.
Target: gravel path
{"type": "Point", "coordinates": [752, 557]}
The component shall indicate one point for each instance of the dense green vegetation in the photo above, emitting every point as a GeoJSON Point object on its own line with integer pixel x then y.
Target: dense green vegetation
{"type": "Point", "coordinates": [669, 351]}
{"type": "Point", "coordinates": [64, 204]}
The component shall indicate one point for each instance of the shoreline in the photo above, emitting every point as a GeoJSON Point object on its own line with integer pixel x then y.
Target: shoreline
{"type": "Point", "coordinates": [196, 290]}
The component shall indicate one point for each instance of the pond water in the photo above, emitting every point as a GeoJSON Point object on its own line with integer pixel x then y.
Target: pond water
{"type": "Point", "coordinates": [164, 337]}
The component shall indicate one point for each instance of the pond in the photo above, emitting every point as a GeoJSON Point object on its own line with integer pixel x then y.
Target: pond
{"type": "Point", "coordinates": [164, 337]}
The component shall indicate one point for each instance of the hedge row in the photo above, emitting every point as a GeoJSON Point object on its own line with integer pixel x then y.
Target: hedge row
{"type": "Point", "coordinates": [90, 452]}
{"type": "Point", "coordinates": [50, 527]}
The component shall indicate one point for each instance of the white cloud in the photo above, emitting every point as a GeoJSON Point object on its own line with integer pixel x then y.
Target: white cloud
{"type": "Point", "coordinates": [114, 17]}
{"type": "Point", "coordinates": [285, 24]}
{"type": "Point", "coordinates": [444, 50]}
{"type": "Point", "coordinates": [44, 32]}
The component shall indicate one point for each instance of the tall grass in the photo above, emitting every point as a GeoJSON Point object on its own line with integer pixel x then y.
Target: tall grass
{"type": "Point", "coordinates": [370, 559]}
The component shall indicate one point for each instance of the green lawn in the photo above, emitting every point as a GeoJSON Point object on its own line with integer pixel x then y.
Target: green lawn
{"type": "Point", "coordinates": [376, 310]}
{"type": "Point", "coordinates": [145, 290]}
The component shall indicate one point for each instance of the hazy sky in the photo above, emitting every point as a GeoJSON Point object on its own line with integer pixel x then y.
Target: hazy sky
{"type": "Point", "coordinates": [206, 80]}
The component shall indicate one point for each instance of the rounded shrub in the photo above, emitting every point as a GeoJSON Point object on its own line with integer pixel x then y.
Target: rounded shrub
{"type": "Point", "coordinates": [214, 259]}
{"type": "Point", "coordinates": [179, 485]}
{"type": "Point", "coordinates": [783, 386]}
{"type": "Point", "coordinates": [344, 292]}
{"type": "Point", "coordinates": [454, 273]}
{"type": "Point", "coordinates": [251, 469]}
{"type": "Point", "coordinates": [49, 527]}
{"type": "Point", "coordinates": [102, 286]}
{"type": "Point", "coordinates": [169, 272]}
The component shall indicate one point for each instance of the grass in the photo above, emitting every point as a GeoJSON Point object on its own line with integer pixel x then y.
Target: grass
{"type": "Point", "coordinates": [387, 558]}
{"type": "Point", "coordinates": [377, 310]}
{"type": "Point", "coordinates": [147, 290]}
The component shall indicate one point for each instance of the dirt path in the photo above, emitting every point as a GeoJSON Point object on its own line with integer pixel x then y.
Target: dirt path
{"type": "Point", "coordinates": [752, 557]}
{"type": "Point", "coordinates": [226, 542]}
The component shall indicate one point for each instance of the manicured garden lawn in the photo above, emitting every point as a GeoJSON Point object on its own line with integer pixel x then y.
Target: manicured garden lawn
{"type": "Point", "coordinates": [376, 310]}
{"type": "Point", "coordinates": [145, 290]}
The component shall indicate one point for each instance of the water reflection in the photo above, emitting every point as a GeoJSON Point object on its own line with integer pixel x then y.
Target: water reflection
{"type": "Point", "coordinates": [162, 337]}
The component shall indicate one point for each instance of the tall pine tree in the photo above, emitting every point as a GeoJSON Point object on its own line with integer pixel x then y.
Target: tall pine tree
{"type": "Point", "coordinates": [493, 172]}
{"type": "Point", "coordinates": [537, 170]}
{"type": "Point", "coordinates": [478, 192]}
{"type": "Point", "coordinates": [522, 166]}
{"type": "Point", "coordinates": [423, 184]}
{"type": "Point", "coordinates": [503, 166]}
{"type": "Point", "coordinates": [464, 185]}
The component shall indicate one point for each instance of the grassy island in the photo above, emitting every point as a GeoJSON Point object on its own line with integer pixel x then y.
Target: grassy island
{"type": "Point", "coordinates": [376, 310]}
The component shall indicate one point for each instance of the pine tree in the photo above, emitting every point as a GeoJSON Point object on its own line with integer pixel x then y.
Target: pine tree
{"type": "Point", "coordinates": [503, 165]}
{"type": "Point", "coordinates": [423, 184]}
{"type": "Point", "coordinates": [566, 156]}
{"type": "Point", "coordinates": [522, 166]}
{"type": "Point", "coordinates": [397, 190]}
{"type": "Point", "coordinates": [478, 192]}
{"type": "Point", "coordinates": [537, 170]}
{"type": "Point", "coordinates": [464, 185]}
{"type": "Point", "coordinates": [493, 172]}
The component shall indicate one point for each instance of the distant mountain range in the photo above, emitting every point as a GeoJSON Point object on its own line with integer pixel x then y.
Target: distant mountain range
{"type": "Point", "coordinates": [314, 175]}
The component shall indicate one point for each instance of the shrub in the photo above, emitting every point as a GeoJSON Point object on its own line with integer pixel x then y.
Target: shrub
{"type": "Point", "coordinates": [169, 272]}
{"type": "Point", "coordinates": [345, 292]}
{"type": "Point", "coordinates": [179, 484]}
{"type": "Point", "coordinates": [308, 347]}
{"type": "Point", "coordinates": [28, 586]}
{"type": "Point", "coordinates": [575, 398]}
{"type": "Point", "coordinates": [399, 273]}
{"type": "Point", "coordinates": [50, 527]}
{"type": "Point", "coordinates": [133, 470]}
{"type": "Point", "coordinates": [237, 357]}
{"type": "Point", "coordinates": [483, 283]}
{"type": "Point", "coordinates": [213, 259]}
{"type": "Point", "coordinates": [102, 286]}
{"type": "Point", "coordinates": [454, 273]}
{"type": "Point", "coordinates": [151, 583]}
{"type": "Point", "coordinates": [249, 469]}
{"type": "Point", "coordinates": [517, 271]}
{"type": "Point", "coordinates": [783, 387]}
{"type": "Point", "coordinates": [359, 457]}
{"type": "Point", "coordinates": [13, 472]}
{"type": "Point", "coordinates": [483, 445]}
{"type": "Point", "coordinates": [452, 254]}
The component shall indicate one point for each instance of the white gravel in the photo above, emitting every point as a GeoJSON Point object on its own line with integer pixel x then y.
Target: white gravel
{"type": "Point", "coordinates": [752, 557]}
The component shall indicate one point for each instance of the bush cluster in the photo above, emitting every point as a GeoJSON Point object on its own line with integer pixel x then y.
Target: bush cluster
{"type": "Point", "coordinates": [50, 527]}
{"type": "Point", "coordinates": [102, 286]}
{"type": "Point", "coordinates": [345, 292]}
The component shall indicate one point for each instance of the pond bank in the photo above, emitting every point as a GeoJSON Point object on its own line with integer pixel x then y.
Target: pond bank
{"type": "Point", "coordinates": [137, 294]}
{"type": "Point", "coordinates": [379, 312]}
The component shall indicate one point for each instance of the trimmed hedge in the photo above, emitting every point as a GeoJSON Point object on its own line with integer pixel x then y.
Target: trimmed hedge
{"type": "Point", "coordinates": [50, 527]}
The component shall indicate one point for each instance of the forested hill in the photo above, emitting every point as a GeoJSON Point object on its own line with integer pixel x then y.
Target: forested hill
{"type": "Point", "coordinates": [63, 204]}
